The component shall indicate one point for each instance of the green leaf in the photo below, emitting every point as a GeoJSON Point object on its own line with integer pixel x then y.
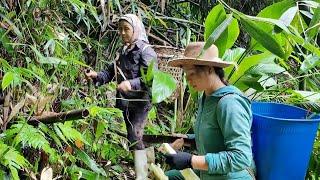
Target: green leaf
{"type": "Point", "coordinates": [309, 95]}
{"type": "Point", "coordinates": [8, 78]}
{"type": "Point", "coordinates": [89, 162]}
{"type": "Point", "coordinates": [250, 81]}
{"type": "Point", "coordinates": [302, 42]}
{"type": "Point", "coordinates": [249, 62]}
{"type": "Point", "coordinates": [276, 9]}
{"type": "Point", "coordinates": [80, 173]}
{"type": "Point", "coordinates": [216, 16]}
{"type": "Point", "coordinates": [97, 111]}
{"type": "Point", "coordinates": [32, 137]}
{"type": "Point", "coordinates": [217, 33]}
{"type": "Point", "coordinates": [232, 55]}
{"type": "Point", "coordinates": [70, 133]}
{"type": "Point", "coordinates": [233, 33]}
{"type": "Point", "coordinates": [267, 81]}
{"type": "Point", "coordinates": [47, 60]}
{"type": "Point", "coordinates": [314, 24]}
{"type": "Point", "coordinates": [5, 65]}
{"type": "Point", "coordinates": [9, 156]}
{"type": "Point", "coordinates": [287, 18]}
{"type": "Point", "coordinates": [264, 69]}
{"type": "Point", "coordinates": [264, 38]}
{"type": "Point", "coordinates": [12, 26]}
{"type": "Point", "coordinates": [162, 87]}
{"type": "Point", "coordinates": [6, 41]}
{"type": "Point", "coordinates": [309, 63]}
{"type": "Point", "coordinates": [51, 133]}
{"type": "Point", "coordinates": [101, 128]}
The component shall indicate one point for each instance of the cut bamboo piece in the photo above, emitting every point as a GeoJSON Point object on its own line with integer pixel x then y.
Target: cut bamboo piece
{"type": "Point", "coordinates": [188, 173]}
{"type": "Point", "coordinates": [158, 172]}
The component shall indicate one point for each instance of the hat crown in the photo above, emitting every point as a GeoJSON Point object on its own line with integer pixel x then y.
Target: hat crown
{"type": "Point", "coordinates": [194, 49]}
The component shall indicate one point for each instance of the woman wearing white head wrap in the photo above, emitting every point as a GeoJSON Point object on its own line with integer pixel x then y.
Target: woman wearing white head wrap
{"type": "Point", "coordinates": [135, 54]}
{"type": "Point", "coordinates": [139, 33]}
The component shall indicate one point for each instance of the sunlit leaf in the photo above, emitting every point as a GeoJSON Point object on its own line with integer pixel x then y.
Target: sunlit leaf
{"type": "Point", "coordinates": [216, 34]}
{"type": "Point", "coordinates": [162, 87]}
{"type": "Point", "coordinates": [7, 80]}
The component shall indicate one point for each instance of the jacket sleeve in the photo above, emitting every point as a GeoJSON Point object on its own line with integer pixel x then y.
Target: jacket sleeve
{"type": "Point", "coordinates": [105, 76]}
{"type": "Point", "coordinates": [147, 56]}
{"type": "Point", "coordinates": [234, 118]}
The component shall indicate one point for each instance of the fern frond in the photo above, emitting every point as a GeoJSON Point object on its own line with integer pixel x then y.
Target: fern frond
{"type": "Point", "coordinates": [12, 159]}
{"type": "Point", "coordinates": [70, 133]}
{"type": "Point", "coordinates": [27, 135]}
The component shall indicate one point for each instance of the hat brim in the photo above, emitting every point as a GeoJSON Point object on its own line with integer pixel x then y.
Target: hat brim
{"type": "Point", "coordinates": [184, 61]}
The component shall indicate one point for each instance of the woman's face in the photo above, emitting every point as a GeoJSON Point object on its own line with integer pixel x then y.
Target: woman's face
{"type": "Point", "coordinates": [198, 78]}
{"type": "Point", "coordinates": [125, 31]}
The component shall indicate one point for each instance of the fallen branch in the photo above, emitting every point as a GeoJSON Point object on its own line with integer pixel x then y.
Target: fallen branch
{"type": "Point", "coordinates": [60, 117]}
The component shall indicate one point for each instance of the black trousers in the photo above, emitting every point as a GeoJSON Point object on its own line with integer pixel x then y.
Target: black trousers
{"type": "Point", "coordinates": [135, 117]}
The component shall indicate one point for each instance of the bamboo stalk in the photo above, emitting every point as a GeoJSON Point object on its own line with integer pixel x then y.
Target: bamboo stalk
{"type": "Point", "coordinates": [60, 117]}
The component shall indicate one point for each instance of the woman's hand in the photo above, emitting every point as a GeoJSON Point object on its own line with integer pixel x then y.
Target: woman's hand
{"type": "Point", "coordinates": [90, 74]}
{"type": "Point", "coordinates": [179, 161]}
{"type": "Point", "coordinates": [124, 86]}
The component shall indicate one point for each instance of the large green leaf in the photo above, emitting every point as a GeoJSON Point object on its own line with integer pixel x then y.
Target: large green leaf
{"type": "Point", "coordinates": [163, 86]}
{"type": "Point", "coordinates": [276, 9]}
{"type": "Point", "coordinates": [233, 33]}
{"type": "Point", "coordinates": [217, 33]}
{"type": "Point", "coordinates": [263, 37]}
{"type": "Point", "coordinates": [249, 62]}
{"type": "Point", "coordinates": [273, 11]}
{"type": "Point", "coordinates": [216, 16]}
{"type": "Point", "coordinates": [8, 78]}
{"type": "Point", "coordinates": [89, 162]}
{"type": "Point", "coordinates": [266, 68]}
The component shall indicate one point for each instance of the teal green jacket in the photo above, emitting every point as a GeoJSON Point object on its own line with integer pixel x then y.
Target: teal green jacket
{"type": "Point", "coordinates": [222, 134]}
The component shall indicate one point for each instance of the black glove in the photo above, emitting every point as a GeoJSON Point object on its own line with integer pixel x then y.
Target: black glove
{"type": "Point", "coordinates": [179, 161]}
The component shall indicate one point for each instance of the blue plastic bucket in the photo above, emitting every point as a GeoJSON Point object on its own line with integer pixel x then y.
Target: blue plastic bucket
{"type": "Point", "coordinates": [283, 138]}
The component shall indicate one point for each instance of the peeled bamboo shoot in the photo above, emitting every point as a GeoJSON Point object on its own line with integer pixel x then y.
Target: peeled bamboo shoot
{"type": "Point", "coordinates": [188, 173]}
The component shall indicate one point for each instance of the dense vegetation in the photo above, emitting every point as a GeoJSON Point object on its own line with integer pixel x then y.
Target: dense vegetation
{"type": "Point", "coordinates": [47, 44]}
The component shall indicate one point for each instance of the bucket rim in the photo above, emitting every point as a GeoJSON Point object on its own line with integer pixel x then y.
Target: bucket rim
{"type": "Point", "coordinates": [284, 119]}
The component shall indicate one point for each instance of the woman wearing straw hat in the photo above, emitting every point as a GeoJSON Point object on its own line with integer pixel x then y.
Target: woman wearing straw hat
{"type": "Point", "coordinates": [222, 128]}
{"type": "Point", "coordinates": [136, 53]}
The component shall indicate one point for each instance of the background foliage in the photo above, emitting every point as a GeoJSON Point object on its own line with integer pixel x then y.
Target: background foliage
{"type": "Point", "coordinates": [46, 45]}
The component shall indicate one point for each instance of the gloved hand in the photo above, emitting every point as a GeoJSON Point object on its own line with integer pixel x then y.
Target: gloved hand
{"type": "Point", "coordinates": [179, 161]}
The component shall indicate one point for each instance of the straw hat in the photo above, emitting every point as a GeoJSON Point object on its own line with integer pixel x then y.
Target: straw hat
{"type": "Point", "coordinates": [191, 56]}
